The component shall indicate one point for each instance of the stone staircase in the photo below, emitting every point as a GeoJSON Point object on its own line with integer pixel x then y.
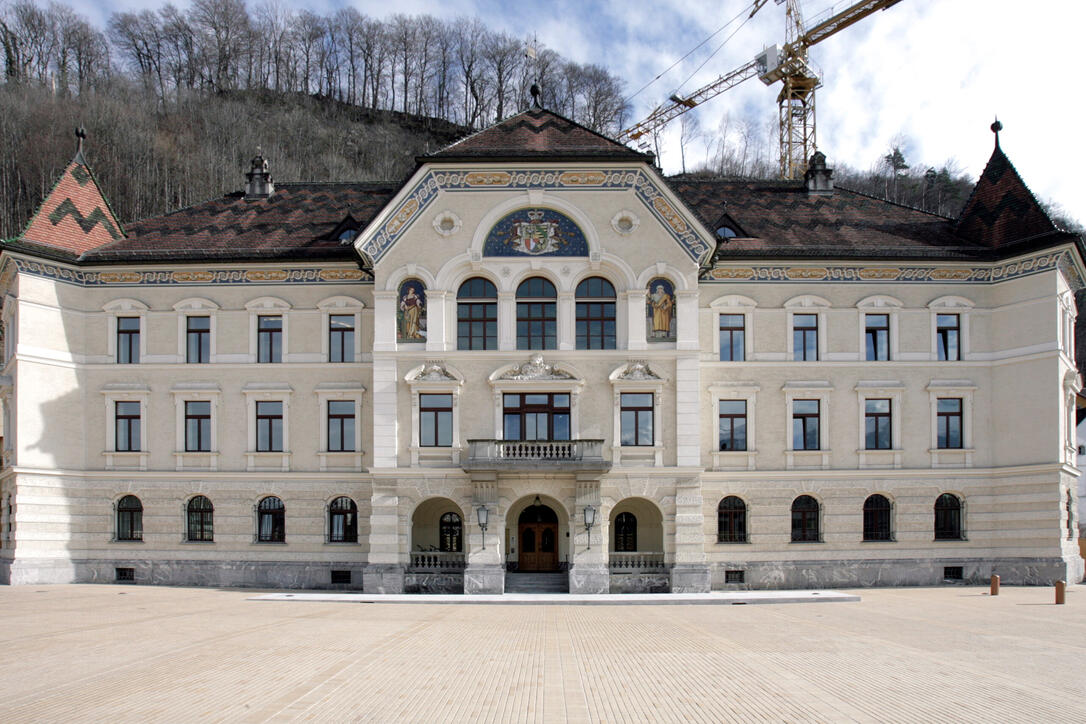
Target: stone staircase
{"type": "Point", "coordinates": [537, 582]}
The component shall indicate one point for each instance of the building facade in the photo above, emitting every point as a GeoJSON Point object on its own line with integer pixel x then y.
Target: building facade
{"type": "Point", "coordinates": [536, 355]}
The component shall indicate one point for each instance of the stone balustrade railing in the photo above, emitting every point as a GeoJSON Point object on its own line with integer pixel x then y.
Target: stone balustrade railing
{"type": "Point", "coordinates": [637, 562]}
{"type": "Point", "coordinates": [581, 454]}
{"type": "Point", "coordinates": [437, 561]}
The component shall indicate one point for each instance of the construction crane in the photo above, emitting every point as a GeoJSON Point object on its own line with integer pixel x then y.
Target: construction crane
{"type": "Point", "coordinates": [788, 64]}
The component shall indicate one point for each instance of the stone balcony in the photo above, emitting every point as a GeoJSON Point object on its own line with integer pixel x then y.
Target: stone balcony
{"type": "Point", "coordinates": [572, 455]}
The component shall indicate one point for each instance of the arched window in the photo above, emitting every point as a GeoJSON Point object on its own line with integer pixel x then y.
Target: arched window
{"type": "Point", "coordinates": [537, 326]}
{"type": "Point", "coordinates": [452, 534]}
{"type": "Point", "coordinates": [477, 315]}
{"type": "Point", "coordinates": [731, 520]}
{"type": "Point", "coordinates": [271, 521]}
{"type": "Point", "coordinates": [129, 518]}
{"type": "Point", "coordinates": [201, 519]}
{"type": "Point", "coordinates": [877, 518]}
{"type": "Point", "coordinates": [948, 517]}
{"type": "Point", "coordinates": [625, 532]}
{"type": "Point", "coordinates": [342, 521]}
{"type": "Point", "coordinates": [805, 519]}
{"type": "Point", "coordinates": [595, 314]}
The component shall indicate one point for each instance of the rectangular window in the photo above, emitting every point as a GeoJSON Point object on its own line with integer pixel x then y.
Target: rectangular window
{"type": "Point", "coordinates": [877, 425]}
{"type": "Point", "coordinates": [636, 415]}
{"type": "Point", "coordinates": [269, 426]}
{"type": "Point", "coordinates": [341, 338]}
{"type": "Point", "coordinates": [435, 420]}
{"type": "Point", "coordinates": [732, 337]}
{"type": "Point", "coordinates": [877, 337]}
{"type": "Point", "coordinates": [733, 424]}
{"type": "Point", "coordinates": [948, 336]}
{"type": "Point", "coordinates": [805, 337]}
{"type": "Point", "coordinates": [198, 340]}
{"type": "Point", "coordinates": [805, 425]}
{"type": "Point", "coordinates": [197, 426]}
{"type": "Point", "coordinates": [536, 416]}
{"type": "Point", "coordinates": [127, 417]}
{"type": "Point", "coordinates": [340, 426]}
{"type": "Point", "coordinates": [948, 424]}
{"type": "Point", "coordinates": [128, 340]}
{"type": "Point", "coordinates": [734, 576]}
{"type": "Point", "coordinates": [269, 339]}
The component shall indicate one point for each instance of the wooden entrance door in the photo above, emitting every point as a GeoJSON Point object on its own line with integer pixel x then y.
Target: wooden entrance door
{"type": "Point", "coordinates": [538, 533]}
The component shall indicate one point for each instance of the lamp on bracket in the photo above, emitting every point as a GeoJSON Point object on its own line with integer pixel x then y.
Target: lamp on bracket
{"type": "Point", "coordinates": [483, 516]}
{"type": "Point", "coordinates": [589, 521]}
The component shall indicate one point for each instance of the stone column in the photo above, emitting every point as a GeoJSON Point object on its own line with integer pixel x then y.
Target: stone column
{"type": "Point", "coordinates": [384, 321]}
{"type": "Point", "coordinates": [385, 571]}
{"type": "Point", "coordinates": [686, 310]}
{"type": "Point", "coordinates": [485, 572]}
{"type": "Point", "coordinates": [690, 573]}
{"type": "Point", "coordinates": [588, 571]}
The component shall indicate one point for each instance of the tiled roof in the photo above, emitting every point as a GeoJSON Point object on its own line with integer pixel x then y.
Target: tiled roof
{"type": "Point", "coordinates": [784, 221]}
{"type": "Point", "coordinates": [533, 134]}
{"type": "Point", "coordinates": [299, 220]}
{"type": "Point", "coordinates": [1002, 210]}
{"type": "Point", "coordinates": [75, 216]}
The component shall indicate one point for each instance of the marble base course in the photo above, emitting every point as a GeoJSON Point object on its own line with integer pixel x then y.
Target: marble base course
{"type": "Point", "coordinates": [484, 580]}
{"type": "Point", "coordinates": [585, 579]}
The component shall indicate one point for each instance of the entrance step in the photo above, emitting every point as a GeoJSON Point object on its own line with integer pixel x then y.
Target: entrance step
{"type": "Point", "coordinates": [537, 582]}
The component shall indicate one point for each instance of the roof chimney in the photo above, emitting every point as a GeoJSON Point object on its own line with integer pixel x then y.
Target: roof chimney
{"type": "Point", "coordinates": [819, 177]}
{"type": "Point", "coordinates": [259, 184]}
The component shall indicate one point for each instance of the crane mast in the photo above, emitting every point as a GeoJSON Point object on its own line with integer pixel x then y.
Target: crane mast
{"type": "Point", "coordinates": [788, 64]}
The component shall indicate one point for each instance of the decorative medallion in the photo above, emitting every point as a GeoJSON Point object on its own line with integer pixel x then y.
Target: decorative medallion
{"type": "Point", "coordinates": [535, 232]}
{"type": "Point", "coordinates": [411, 312]}
{"type": "Point", "coordinates": [638, 370]}
{"type": "Point", "coordinates": [433, 371]}
{"type": "Point", "coordinates": [660, 311]}
{"type": "Point", "coordinates": [447, 223]}
{"type": "Point", "coordinates": [625, 222]}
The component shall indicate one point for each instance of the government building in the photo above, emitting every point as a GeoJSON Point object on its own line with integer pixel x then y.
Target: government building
{"type": "Point", "coordinates": [538, 361]}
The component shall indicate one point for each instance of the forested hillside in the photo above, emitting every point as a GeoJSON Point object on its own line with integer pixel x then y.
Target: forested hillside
{"type": "Point", "coordinates": [176, 102]}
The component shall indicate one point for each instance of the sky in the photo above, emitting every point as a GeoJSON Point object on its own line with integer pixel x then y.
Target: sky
{"type": "Point", "coordinates": [932, 74]}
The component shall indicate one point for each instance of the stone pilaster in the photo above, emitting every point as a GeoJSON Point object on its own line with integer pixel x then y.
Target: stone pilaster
{"type": "Point", "coordinates": [485, 572]}
{"type": "Point", "coordinates": [635, 319]}
{"type": "Point", "coordinates": [588, 571]}
{"type": "Point", "coordinates": [690, 573]}
{"type": "Point", "coordinates": [385, 570]}
{"type": "Point", "coordinates": [436, 300]}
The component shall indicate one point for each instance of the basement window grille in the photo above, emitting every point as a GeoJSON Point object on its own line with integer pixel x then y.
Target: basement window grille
{"type": "Point", "coordinates": [341, 576]}
{"type": "Point", "coordinates": [125, 575]}
{"type": "Point", "coordinates": [734, 576]}
{"type": "Point", "coordinates": [952, 573]}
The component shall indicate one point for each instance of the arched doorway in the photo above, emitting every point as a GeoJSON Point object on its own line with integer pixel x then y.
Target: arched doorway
{"type": "Point", "coordinates": [537, 529]}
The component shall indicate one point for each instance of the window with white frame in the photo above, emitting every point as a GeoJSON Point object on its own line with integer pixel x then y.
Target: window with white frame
{"type": "Point", "coordinates": [734, 410]}
{"type": "Point", "coordinates": [806, 328]}
{"type": "Point", "coordinates": [268, 412]}
{"type": "Point", "coordinates": [196, 324]}
{"type": "Point", "coordinates": [127, 322]}
{"type": "Point", "coordinates": [637, 391]}
{"type": "Point", "coordinates": [340, 404]}
{"type": "Point", "coordinates": [879, 328]}
{"type": "Point", "coordinates": [879, 403]}
{"type": "Point", "coordinates": [196, 446]}
{"type": "Point", "coordinates": [951, 422]}
{"type": "Point", "coordinates": [734, 328]}
{"type": "Point", "coordinates": [268, 330]}
{"type": "Point", "coordinates": [341, 318]}
{"type": "Point", "coordinates": [950, 328]}
{"type": "Point", "coordinates": [126, 425]}
{"type": "Point", "coordinates": [808, 436]}
{"type": "Point", "coordinates": [435, 411]}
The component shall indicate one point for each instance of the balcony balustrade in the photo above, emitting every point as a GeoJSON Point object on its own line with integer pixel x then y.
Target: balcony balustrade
{"type": "Point", "coordinates": [536, 455]}
{"type": "Point", "coordinates": [434, 561]}
{"type": "Point", "coordinates": [637, 562]}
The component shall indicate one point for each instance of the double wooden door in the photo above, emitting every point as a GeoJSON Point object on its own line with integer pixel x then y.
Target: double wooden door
{"type": "Point", "coordinates": [538, 547]}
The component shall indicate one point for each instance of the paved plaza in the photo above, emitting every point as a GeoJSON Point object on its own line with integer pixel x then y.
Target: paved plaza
{"type": "Point", "coordinates": [140, 654]}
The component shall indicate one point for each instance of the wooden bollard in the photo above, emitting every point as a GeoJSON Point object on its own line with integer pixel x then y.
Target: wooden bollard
{"type": "Point", "coordinates": [1061, 592]}
{"type": "Point", "coordinates": [995, 585]}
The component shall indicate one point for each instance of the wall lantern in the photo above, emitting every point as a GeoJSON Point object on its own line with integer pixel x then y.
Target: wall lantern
{"type": "Point", "coordinates": [589, 521]}
{"type": "Point", "coordinates": [484, 516]}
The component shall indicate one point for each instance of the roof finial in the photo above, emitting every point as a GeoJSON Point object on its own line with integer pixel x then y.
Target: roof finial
{"type": "Point", "coordinates": [80, 134]}
{"type": "Point", "coordinates": [996, 128]}
{"type": "Point", "coordinates": [536, 92]}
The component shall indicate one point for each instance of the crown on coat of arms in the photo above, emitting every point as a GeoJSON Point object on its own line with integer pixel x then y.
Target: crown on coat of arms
{"type": "Point", "coordinates": [536, 215]}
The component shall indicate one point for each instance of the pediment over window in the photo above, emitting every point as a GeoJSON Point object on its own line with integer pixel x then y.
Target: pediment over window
{"type": "Point", "coordinates": [534, 369]}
